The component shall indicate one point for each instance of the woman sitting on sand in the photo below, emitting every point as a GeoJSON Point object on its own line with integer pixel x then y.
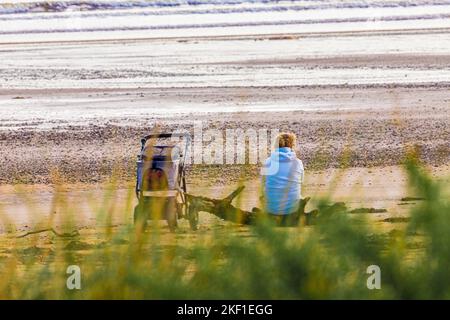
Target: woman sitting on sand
{"type": "Point", "coordinates": [283, 175]}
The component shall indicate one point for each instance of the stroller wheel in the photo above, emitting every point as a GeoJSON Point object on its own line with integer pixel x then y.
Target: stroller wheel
{"type": "Point", "coordinates": [140, 218]}
{"type": "Point", "coordinates": [192, 215]}
{"type": "Point", "coordinates": [172, 214]}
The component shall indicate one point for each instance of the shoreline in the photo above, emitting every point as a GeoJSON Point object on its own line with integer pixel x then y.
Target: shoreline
{"type": "Point", "coordinates": [6, 92]}
{"type": "Point", "coordinates": [249, 36]}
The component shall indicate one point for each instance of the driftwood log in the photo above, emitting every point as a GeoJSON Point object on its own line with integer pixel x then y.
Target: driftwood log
{"type": "Point", "coordinates": [223, 209]}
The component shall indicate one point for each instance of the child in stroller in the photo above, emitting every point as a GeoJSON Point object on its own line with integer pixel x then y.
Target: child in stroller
{"type": "Point", "coordinates": [161, 182]}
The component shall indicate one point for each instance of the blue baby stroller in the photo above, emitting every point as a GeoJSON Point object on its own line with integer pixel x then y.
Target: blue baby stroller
{"type": "Point", "coordinates": [161, 181]}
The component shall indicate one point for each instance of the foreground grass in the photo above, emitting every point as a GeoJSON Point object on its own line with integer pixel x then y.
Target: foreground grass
{"type": "Point", "coordinates": [326, 261]}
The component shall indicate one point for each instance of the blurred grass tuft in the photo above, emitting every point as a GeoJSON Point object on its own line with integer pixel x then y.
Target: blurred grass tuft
{"type": "Point", "coordinates": [324, 261]}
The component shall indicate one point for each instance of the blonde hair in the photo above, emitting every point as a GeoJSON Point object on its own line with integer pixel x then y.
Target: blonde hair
{"type": "Point", "coordinates": [286, 139]}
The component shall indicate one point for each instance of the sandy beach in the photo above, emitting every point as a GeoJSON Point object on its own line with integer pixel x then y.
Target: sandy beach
{"type": "Point", "coordinates": [44, 160]}
{"type": "Point", "coordinates": [82, 137]}
{"type": "Point", "coordinates": [74, 105]}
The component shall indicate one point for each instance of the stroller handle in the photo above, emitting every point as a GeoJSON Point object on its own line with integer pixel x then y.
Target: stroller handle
{"type": "Point", "coordinates": [167, 135]}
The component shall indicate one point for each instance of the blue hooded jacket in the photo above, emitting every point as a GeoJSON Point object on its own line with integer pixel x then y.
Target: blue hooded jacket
{"type": "Point", "coordinates": [283, 173]}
